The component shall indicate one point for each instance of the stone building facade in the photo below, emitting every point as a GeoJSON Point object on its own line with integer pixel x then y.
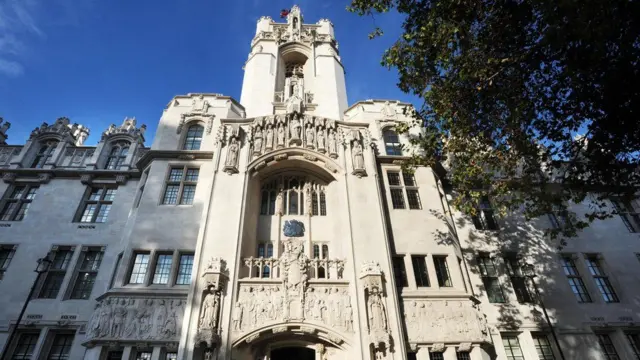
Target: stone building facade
{"type": "Point", "coordinates": [283, 227]}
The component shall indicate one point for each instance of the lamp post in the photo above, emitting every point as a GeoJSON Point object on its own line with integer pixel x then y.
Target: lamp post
{"type": "Point", "coordinates": [529, 271]}
{"type": "Point", "coordinates": [43, 266]}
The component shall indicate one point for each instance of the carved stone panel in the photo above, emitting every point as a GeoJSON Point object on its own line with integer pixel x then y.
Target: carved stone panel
{"type": "Point", "coordinates": [434, 321]}
{"type": "Point", "coordinates": [136, 319]}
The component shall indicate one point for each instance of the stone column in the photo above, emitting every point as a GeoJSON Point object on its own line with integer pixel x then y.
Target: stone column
{"type": "Point", "coordinates": [127, 352]}
{"type": "Point", "coordinates": [93, 353]}
{"type": "Point", "coordinates": [155, 354]}
{"type": "Point", "coordinates": [450, 353]}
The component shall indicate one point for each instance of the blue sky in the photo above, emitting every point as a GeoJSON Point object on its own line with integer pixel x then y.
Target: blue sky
{"type": "Point", "coordinates": [99, 61]}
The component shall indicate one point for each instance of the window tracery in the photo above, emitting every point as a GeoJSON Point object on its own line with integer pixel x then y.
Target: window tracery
{"type": "Point", "coordinates": [117, 156]}
{"type": "Point", "coordinates": [293, 195]}
{"type": "Point", "coordinates": [44, 153]}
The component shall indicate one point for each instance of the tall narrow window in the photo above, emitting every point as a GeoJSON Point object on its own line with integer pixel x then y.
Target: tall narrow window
{"type": "Point", "coordinates": [171, 356]}
{"type": "Point", "coordinates": [559, 218]}
{"type": "Point", "coordinates": [114, 355]}
{"type": "Point", "coordinates": [601, 279]}
{"type": "Point", "coordinates": [181, 186]}
{"type": "Point", "coordinates": [463, 355]}
{"type": "Point", "coordinates": [518, 281]}
{"type": "Point", "coordinates": [61, 347]}
{"type": "Point", "coordinates": [265, 250]}
{"type": "Point", "coordinates": [115, 271]}
{"type": "Point", "coordinates": [117, 156]}
{"type": "Point", "coordinates": [139, 269]}
{"type": "Point", "coordinates": [575, 280]}
{"type": "Point", "coordinates": [17, 202]}
{"type": "Point", "coordinates": [436, 355]}
{"type": "Point", "coordinates": [442, 271]}
{"type": "Point", "coordinates": [44, 154]}
{"type": "Point", "coordinates": [420, 271]}
{"type": "Point", "coordinates": [163, 269]}
{"type": "Point", "coordinates": [193, 140]}
{"type": "Point", "coordinates": [484, 219]}
{"type": "Point", "coordinates": [391, 142]}
{"type": "Point", "coordinates": [143, 183]}
{"type": "Point", "coordinates": [543, 347]}
{"type": "Point", "coordinates": [629, 213]}
{"type": "Point", "coordinates": [25, 346]}
{"type": "Point", "coordinates": [323, 204]}
{"type": "Point", "coordinates": [634, 342]}
{"type": "Point", "coordinates": [607, 347]}
{"type": "Point", "coordinates": [96, 204]}
{"type": "Point", "coordinates": [185, 268]}
{"type": "Point", "coordinates": [399, 271]}
{"type": "Point", "coordinates": [490, 280]}
{"type": "Point", "coordinates": [87, 271]}
{"type": "Point", "coordinates": [57, 270]}
{"type": "Point", "coordinates": [6, 255]}
{"type": "Point", "coordinates": [512, 348]}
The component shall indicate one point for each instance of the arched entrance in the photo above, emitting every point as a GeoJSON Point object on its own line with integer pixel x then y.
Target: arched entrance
{"type": "Point", "coordinates": [293, 353]}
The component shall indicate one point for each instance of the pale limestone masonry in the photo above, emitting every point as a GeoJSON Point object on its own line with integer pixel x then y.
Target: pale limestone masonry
{"type": "Point", "coordinates": [281, 227]}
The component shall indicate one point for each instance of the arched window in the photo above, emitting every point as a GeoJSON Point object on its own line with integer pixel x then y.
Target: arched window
{"type": "Point", "coordinates": [117, 156]}
{"type": "Point", "coordinates": [293, 190]}
{"type": "Point", "coordinates": [44, 154]}
{"type": "Point", "coordinates": [325, 251]}
{"type": "Point", "coordinates": [392, 142]}
{"type": "Point", "coordinates": [194, 138]}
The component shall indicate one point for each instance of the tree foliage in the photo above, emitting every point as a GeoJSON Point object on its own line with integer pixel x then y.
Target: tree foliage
{"type": "Point", "coordinates": [535, 103]}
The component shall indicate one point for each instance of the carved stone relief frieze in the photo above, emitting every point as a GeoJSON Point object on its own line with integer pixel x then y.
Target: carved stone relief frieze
{"type": "Point", "coordinates": [293, 298]}
{"type": "Point", "coordinates": [119, 318]}
{"type": "Point", "coordinates": [444, 321]}
{"type": "Point", "coordinates": [274, 132]}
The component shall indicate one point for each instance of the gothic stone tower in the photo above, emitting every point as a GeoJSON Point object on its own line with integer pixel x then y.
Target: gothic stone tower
{"type": "Point", "coordinates": [293, 235]}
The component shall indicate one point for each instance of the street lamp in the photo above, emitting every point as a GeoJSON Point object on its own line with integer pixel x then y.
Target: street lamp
{"type": "Point", "coordinates": [42, 267]}
{"type": "Point", "coordinates": [529, 271]}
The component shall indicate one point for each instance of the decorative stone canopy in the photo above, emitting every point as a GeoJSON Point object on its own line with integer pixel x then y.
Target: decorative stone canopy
{"type": "Point", "coordinates": [127, 129]}
{"type": "Point", "coordinates": [62, 129]}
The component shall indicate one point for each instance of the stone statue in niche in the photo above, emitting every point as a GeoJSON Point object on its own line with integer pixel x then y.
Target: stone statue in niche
{"type": "Point", "coordinates": [257, 141]}
{"type": "Point", "coordinates": [321, 140]}
{"type": "Point", "coordinates": [232, 152]}
{"type": "Point", "coordinates": [210, 310]}
{"type": "Point", "coordinates": [295, 131]}
{"type": "Point", "coordinates": [333, 148]}
{"type": "Point", "coordinates": [377, 313]}
{"type": "Point", "coordinates": [281, 135]}
{"type": "Point", "coordinates": [310, 135]}
{"type": "Point", "coordinates": [237, 316]}
{"type": "Point", "coordinates": [388, 111]}
{"type": "Point", "coordinates": [358, 159]}
{"type": "Point", "coordinates": [269, 138]}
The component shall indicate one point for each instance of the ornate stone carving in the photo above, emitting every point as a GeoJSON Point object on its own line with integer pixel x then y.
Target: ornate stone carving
{"type": "Point", "coordinates": [72, 133]}
{"type": "Point", "coordinates": [438, 347]}
{"type": "Point", "coordinates": [371, 276]}
{"type": "Point", "coordinates": [294, 299]}
{"type": "Point", "coordinates": [45, 178]}
{"type": "Point", "coordinates": [464, 347]}
{"type": "Point", "coordinates": [210, 124]}
{"type": "Point", "coordinates": [86, 179]}
{"type": "Point", "coordinates": [233, 151]}
{"type": "Point", "coordinates": [6, 154]}
{"type": "Point", "coordinates": [444, 321]}
{"type": "Point", "coordinates": [388, 111]}
{"type": "Point", "coordinates": [293, 228]}
{"type": "Point", "coordinates": [119, 318]}
{"type": "Point", "coordinates": [127, 128]}
{"type": "Point", "coordinates": [208, 320]}
{"type": "Point", "coordinates": [358, 159]}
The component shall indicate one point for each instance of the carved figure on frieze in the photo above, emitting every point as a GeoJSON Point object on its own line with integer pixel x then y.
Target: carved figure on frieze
{"type": "Point", "coordinates": [348, 318]}
{"type": "Point", "coordinates": [159, 318]}
{"type": "Point", "coordinates": [333, 144]}
{"type": "Point", "coordinates": [237, 316]}
{"type": "Point", "coordinates": [269, 138]}
{"type": "Point", "coordinates": [281, 136]}
{"type": "Point", "coordinates": [321, 140]}
{"type": "Point", "coordinates": [388, 111]}
{"type": "Point", "coordinates": [93, 327]}
{"type": "Point", "coordinates": [310, 136]}
{"type": "Point", "coordinates": [257, 140]}
{"type": "Point", "coordinates": [105, 318]}
{"type": "Point", "coordinates": [295, 131]}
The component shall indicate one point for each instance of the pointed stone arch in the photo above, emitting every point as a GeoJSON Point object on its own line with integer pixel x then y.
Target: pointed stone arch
{"type": "Point", "coordinates": [293, 331]}
{"type": "Point", "coordinates": [289, 157]}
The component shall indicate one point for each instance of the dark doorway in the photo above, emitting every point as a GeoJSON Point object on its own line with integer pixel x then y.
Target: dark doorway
{"type": "Point", "coordinates": [293, 353]}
